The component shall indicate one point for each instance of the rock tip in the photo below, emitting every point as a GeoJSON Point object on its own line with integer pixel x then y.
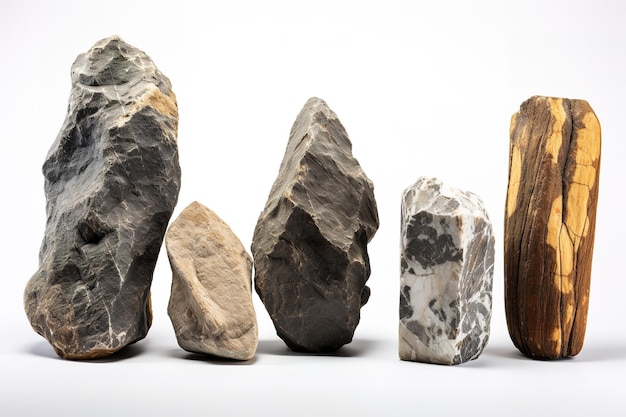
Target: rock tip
{"type": "Point", "coordinates": [423, 182]}
{"type": "Point", "coordinates": [315, 103]}
{"type": "Point", "coordinates": [109, 39]}
{"type": "Point", "coordinates": [195, 204]}
{"type": "Point", "coordinates": [104, 42]}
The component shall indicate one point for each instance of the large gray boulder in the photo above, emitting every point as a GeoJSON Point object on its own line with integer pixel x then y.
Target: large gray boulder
{"type": "Point", "coordinates": [111, 182]}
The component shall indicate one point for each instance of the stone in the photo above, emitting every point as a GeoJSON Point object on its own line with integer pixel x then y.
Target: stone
{"type": "Point", "coordinates": [446, 257]}
{"type": "Point", "coordinates": [211, 300]}
{"type": "Point", "coordinates": [549, 226]}
{"type": "Point", "coordinates": [111, 183]}
{"type": "Point", "coordinates": [310, 241]}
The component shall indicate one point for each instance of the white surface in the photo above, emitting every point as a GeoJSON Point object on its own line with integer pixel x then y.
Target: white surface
{"type": "Point", "coordinates": [423, 88]}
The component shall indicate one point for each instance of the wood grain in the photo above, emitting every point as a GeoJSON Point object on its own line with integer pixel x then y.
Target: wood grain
{"type": "Point", "coordinates": [549, 224]}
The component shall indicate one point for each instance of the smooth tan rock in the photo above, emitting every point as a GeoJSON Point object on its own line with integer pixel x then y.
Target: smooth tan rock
{"type": "Point", "coordinates": [211, 301]}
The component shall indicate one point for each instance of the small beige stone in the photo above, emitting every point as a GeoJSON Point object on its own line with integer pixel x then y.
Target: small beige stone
{"type": "Point", "coordinates": [211, 301]}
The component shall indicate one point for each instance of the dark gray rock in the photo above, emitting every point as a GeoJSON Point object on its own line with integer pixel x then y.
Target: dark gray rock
{"type": "Point", "coordinates": [111, 181]}
{"type": "Point", "coordinates": [310, 242]}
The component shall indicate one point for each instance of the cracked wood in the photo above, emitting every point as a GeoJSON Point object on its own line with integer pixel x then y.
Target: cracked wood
{"type": "Point", "coordinates": [549, 224]}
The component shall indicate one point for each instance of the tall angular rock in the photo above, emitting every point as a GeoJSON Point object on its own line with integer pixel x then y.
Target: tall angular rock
{"type": "Point", "coordinates": [549, 227]}
{"type": "Point", "coordinates": [111, 182]}
{"type": "Point", "coordinates": [310, 242]}
{"type": "Point", "coordinates": [211, 301]}
{"type": "Point", "coordinates": [447, 254]}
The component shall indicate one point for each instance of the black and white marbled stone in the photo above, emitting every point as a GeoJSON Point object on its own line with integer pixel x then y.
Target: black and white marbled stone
{"type": "Point", "coordinates": [447, 255]}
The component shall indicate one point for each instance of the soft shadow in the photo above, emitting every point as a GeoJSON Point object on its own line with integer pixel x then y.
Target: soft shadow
{"type": "Point", "coordinates": [491, 357]}
{"type": "Point", "coordinates": [357, 347]}
{"type": "Point", "coordinates": [478, 363]}
{"type": "Point", "coordinates": [601, 353]}
{"type": "Point", "coordinates": [513, 353]}
{"type": "Point", "coordinates": [204, 357]}
{"type": "Point", "coordinates": [504, 352]}
{"type": "Point", "coordinates": [589, 353]}
{"type": "Point", "coordinates": [45, 350]}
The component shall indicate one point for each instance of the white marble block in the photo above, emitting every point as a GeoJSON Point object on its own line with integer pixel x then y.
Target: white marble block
{"type": "Point", "coordinates": [447, 253]}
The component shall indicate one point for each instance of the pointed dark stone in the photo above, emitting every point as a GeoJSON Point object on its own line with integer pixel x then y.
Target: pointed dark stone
{"type": "Point", "coordinates": [111, 183]}
{"type": "Point", "coordinates": [310, 242]}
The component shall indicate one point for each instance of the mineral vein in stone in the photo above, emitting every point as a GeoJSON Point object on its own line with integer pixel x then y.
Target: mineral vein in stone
{"type": "Point", "coordinates": [447, 253]}
{"type": "Point", "coordinates": [111, 182]}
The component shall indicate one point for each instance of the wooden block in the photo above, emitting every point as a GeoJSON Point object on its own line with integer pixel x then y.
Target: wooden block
{"type": "Point", "coordinates": [549, 224]}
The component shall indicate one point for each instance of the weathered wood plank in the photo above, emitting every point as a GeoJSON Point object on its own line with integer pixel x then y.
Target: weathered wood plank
{"type": "Point", "coordinates": [550, 224]}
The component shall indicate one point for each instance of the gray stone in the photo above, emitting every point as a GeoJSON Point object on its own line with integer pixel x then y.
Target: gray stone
{"type": "Point", "coordinates": [211, 301]}
{"type": "Point", "coordinates": [310, 242]}
{"type": "Point", "coordinates": [447, 254]}
{"type": "Point", "coordinates": [111, 182]}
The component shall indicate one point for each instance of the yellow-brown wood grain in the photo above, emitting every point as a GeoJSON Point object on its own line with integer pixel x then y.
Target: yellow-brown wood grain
{"type": "Point", "coordinates": [549, 224]}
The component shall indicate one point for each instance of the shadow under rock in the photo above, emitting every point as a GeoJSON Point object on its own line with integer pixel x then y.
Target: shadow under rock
{"type": "Point", "coordinates": [45, 350]}
{"type": "Point", "coordinates": [504, 352]}
{"type": "Point", "coordinates": [604, 353]}
{"type": "Point", "coordinates": [589, 353]}
{"type": "Point", "coordinates": [207, 358]}
{"type": "Point", "coordinates": [357, 347]}
{"type": "Point", "coordinates": [601, 353]}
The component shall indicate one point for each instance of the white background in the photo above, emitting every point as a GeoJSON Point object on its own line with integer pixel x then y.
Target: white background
{"type": "Point", "coordinates": [423, 88]}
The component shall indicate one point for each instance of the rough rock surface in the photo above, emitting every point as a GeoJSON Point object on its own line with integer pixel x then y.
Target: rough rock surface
{"type": "Point", "coordinates": [211, 301]}
{"type": "Point", "coordinates": [111, 182]}
{"type": "Point", "coordinates": [549, 224]}
{"type": "Point", "coordinates": [447, 254]}
{"type": "Point", "coordinates": [310, 242]}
